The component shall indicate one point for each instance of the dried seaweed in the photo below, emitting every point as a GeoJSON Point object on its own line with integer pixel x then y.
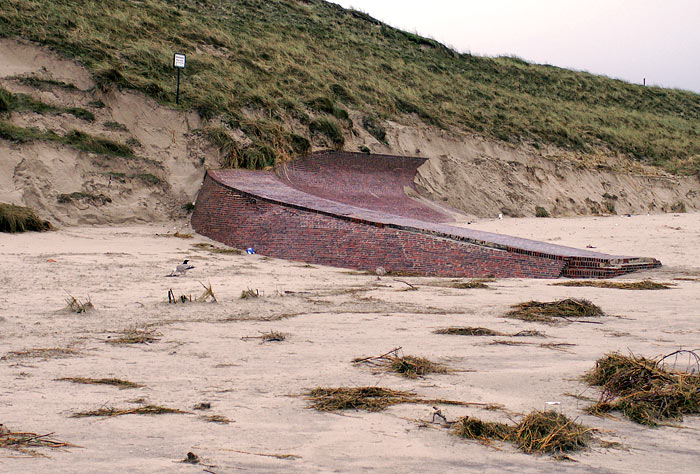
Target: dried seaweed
{"type": "Point", "coordinates": [541, 432]}
{"type": "Point", "coordinates": [142, 410]}
{"type": "Point", "coordinates": [549, 312]}
{"type": "Point", "coordinates": [406, 365]}
{"type": "Point", "coordinates": [122, 384]}
{"type": "Point", "coordinates": [644, 390]}
{"type": "Point", "coordinates": [618, 285]}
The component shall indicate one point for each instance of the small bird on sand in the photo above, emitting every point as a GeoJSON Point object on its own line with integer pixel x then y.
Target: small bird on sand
{"type": "Point", "coordinates": [183, 267]}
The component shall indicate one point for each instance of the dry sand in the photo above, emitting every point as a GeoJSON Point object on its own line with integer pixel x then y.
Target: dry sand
{"type": "Point", "coordinates": [331, 316]}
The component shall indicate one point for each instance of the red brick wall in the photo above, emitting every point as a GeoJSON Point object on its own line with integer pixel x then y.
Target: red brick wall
{"type": "Point", "coordinates": [241, 221]}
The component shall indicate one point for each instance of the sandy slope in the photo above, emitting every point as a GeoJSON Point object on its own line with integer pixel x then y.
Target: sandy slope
{"type": "Point", "coordinates": [331, 316]}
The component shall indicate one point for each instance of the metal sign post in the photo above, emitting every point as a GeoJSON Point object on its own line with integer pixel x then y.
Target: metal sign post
{"type": "Point", "coordinates": [178, 63]}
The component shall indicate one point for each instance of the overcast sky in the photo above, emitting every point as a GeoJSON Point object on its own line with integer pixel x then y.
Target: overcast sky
{"type": "Point", "coordinates": [627, 39]}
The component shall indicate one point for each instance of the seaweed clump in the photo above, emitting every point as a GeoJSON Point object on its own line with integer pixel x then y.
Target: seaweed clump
{"type": "Point", "coordinates": [644, 390]}
{"type": "Point", "coordinates": [540, 432]}
{"type": "Point", "coordinates": [550, 312]}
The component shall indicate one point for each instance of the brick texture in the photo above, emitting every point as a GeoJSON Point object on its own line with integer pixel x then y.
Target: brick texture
{"type": "Point", "coordinates": [351, 210]}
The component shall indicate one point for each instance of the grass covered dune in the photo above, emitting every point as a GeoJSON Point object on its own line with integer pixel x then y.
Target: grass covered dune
{"type": "Point", "coordinates": [304, 61]}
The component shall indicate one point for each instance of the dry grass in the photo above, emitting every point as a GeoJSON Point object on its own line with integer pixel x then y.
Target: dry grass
{"type": "Point", "coordinates": [479, 331]}
{"type": "Point", "coordinates": [373, 399]}
{"type": "Point", "coordinates": [358, 398]}
{"type": "Point", "coordinates": [142, 410]}
{"type": "Point", "coordinates": [218, 250]}
{"type": "Point", "coordinates": [540, 432]}
{"type": "Point", "coordinates": [550, 312]}
{"type": "Point", "coordinates": [413, 366]}
{"type": "Point", "coordinates": [222, 420]}
{"type": "Point", "coordinates": [551, 432]}
{"type": "Point", "coordinates": [249, 293]}
{"type": "Point", "coordinates": [122, 384]}
{"type": "Point", "coordinates": [506, 342]}
{"type": "Point", "coordinates": [407, 366]}
{"type": "Point", "coordinates": [23, 442]}
{"type": "Point", "coordinates": [20, 219]}
{"type": "Point", "coordinates": [618, 285]}
{"type": "Point", "coordinates": [207, 294]}
{"type": "Point", "coordinates": [468, 331]}
{"type": "Point", "coordinates": [467, 285]}
{"type": "Point", "coordinates": [272, 336]}
{"type": "Point", "coordinates": [644, 390]}
{"type": "Point", "coordinates": [77, 306]}
{"type": "Point", "coordinates": [484, 431]}
{"type": "Point", "coordinates": [40, 353]}
{"type": "Point", "coordinates": [135, 336]}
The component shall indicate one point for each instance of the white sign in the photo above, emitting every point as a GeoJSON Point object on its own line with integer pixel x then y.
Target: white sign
{"type": "Point", "coordinates": [179, 61]}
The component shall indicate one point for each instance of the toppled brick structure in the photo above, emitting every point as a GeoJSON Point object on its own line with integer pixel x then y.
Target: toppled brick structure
{"type": "Point", "coordinates": [362, 211]}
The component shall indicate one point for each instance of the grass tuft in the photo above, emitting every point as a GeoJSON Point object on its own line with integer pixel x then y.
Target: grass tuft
{"type": "Point", "coordinates": [119, 383]}
{"type": "Point", "coordinates": [77, 306]}
{"type": "Point", "coordinates": [636, 285]}
{"type": "Point", "coordinates": [358, 398]}
{"type": "Point", "coordinates": [644, 390]}
{"type": "Point", "coordinates": [330, 129]}
{"type": "Point", "coordinates": [40, 353]}
{"type": "Point", "coordinates": [219, 250]}
{"type": "Point", "coordinates": [469, 331]}
{"type": "Point", "coordinates": [14, 219]}
{"type": "Point", "coordinates": [407, 366]}
{"type": "Point", "coordinates": [142, 410]}
{"type": "Point", "coordinates": [549, 312]}
{"type": "Point", "coordinates": [551, 432]}
{"type": "Point", "coordinates": [135, 336]}
{"type": "Point", "coordinates": [540, 432]}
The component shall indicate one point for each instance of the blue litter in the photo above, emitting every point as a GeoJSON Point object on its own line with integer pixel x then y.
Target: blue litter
{"type": "Point", "coordinates": [250, 250]}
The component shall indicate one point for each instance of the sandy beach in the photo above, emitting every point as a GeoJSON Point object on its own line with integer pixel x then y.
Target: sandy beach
{"type": "Point", "coordinates": [200, 353]}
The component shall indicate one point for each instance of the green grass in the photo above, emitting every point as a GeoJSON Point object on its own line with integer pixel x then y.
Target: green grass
{"type": "Point", "coordinates": [77, 139]}
{"type": "Point", "coordinates": [22, 102]}
{"type": "Point", "coordinates": [279, 57]}
{"type": "Point", "coordinates": [20, 219]}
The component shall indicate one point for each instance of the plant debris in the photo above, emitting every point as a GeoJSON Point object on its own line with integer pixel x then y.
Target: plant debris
{"type": "Point", "coordinates": [540, 432]}
{"type": "Point", "coordinates": [142, 410]}
{"type": "Point", "coordinates": [222, 420]}
{"type": "Point", "coordinates": [467, 285]}
{"type": "Point", "coordinates": [247, 294]}
{"type": "Point", "coordinates": [408, 366]}
{"type": "Point", "coordinates": [479, 331]}
{"type": "Point", "coordinates": [135, 336]}
{"type": "Point", "coordinates": [219, 250]}
{"type": "Point", "coordinates": [40, 353]}
{"type": "Point", "coordinates": [122, 384]}
{"type": "Point", "coordinates": [207, 294]}
{"type": "Point", "coordinates": [645, 390]}
{"type": "Point", "coordinates": [373, 399]}
{"type": "Point", "coordinates": [551, 432]}
{"type": "Point", "coordinates": [23, 441]}
{"type": "Point", "coordinates": [272, 336]}
{"type": "Point", "coordinates": [484, 431]}
{"type": "Point", "coordinates": [77, 306]}
{"type": "Point", "coordinates": [469, 331]}
{"type": "Point", "coordinates": [360, 398]}
{"type": "Point", "coordinates": [636, 285]}
{"type": "Point", "coordinates": [549, 312]}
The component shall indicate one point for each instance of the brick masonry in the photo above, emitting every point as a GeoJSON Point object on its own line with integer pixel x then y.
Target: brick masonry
{"type": "Point", "coordinates": [351, 210]}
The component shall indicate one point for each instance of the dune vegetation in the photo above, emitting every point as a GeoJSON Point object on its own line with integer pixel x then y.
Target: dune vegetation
{"type": "Point", "coordinates": [287, 71]}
